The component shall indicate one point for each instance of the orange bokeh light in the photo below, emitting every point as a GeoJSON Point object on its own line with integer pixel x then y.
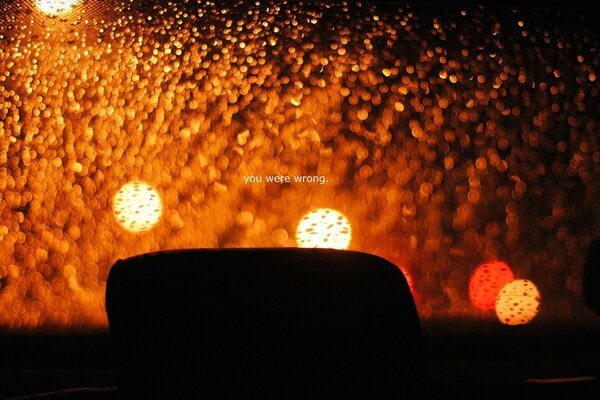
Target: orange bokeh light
{"type": "Point", "coordinates": [518, 302]}
{"type": "Point", "coordinates": [486, 281]}
{"type": "Point", "coordinates": [194, 97]}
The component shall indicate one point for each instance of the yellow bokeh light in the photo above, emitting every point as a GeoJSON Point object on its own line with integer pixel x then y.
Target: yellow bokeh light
{"type": "Point", "coordinates": [324, 228]}
{"type": "Point", "coordinates": [518, 302]}
{"type": "Point", "coordinates": [137, 206]}
{"type": "Point", "coordinates": [56, 7]}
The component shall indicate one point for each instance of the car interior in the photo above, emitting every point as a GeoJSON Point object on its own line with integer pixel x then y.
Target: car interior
{"type": "Point", "coordinates": [299, 199]}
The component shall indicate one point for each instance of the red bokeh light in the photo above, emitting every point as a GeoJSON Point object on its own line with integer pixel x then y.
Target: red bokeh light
{"type": "Point", "coordinates": [486, 281]}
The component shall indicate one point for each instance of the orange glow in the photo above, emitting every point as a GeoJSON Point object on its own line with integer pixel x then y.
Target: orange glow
{"type": "Point", "coordinates": [324, 228]}
{"type": "Point", "coordinates": [518, 302]}
{"type": "Point", "coordinates": [56, 7]}
{"type": "Point", "coordinates": [486, 281]}
{"type": "Point", "coordinates": [429, 161]}
{"type": "Point", "coordinates": [137, 206]}
{"type": "Point", "coordinates": [409, 279]}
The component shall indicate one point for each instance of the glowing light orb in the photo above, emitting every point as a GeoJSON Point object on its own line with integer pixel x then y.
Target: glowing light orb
{"type": "Point", "coordinates": [324, 228]}
{"type": "Point", "coordinates": [486, 281]}
{"type": "Point", "coordinates": [518, 302]}
{"type": "Point", "coordinates": [56, 7]}
{"type": "Point", "coordinates": [137, 206]}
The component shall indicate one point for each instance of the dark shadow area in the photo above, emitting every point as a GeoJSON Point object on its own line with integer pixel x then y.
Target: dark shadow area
{"type": "Point", "coordinates": [468, 358]}
{"type": "Point", "coordinates": [274, 323]}
{"type": "Point", "coordinates": [462, 359]}
{"type": "Point", "coordinates": [39, 362]}
{"type": "Point", "coordinates": [556, 4]}
{"type": "Point", "coordinates": [591, 277]}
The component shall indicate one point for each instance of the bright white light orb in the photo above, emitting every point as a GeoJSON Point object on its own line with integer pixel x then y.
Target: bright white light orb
{"type": "Point", "coordinates": [137, 206]}
{"type": "Point", "coordinates": [324, 228]}
{"type": "Point", "coordinates": [518, 302]}
{"type": "Point", "coordinates": [56, 7]}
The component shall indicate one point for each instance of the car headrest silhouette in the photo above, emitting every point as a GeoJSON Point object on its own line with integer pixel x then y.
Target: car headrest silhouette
{"type": "Point", "coordinates": [285, 323]}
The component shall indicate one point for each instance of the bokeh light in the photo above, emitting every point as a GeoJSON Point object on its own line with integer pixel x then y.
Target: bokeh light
{"type": "Point", "coordinates": [486, 281]}
{"type": "Point", "coordinates": [453, 135]}
{"type": "Point", "coordinates": [56, 7]}
{"type": "Point", "coordinates": [325, 228]}
{"type": "Point", "coordinates": [137, 206]}
{"type": "Point", "coordinates": [518, 302]}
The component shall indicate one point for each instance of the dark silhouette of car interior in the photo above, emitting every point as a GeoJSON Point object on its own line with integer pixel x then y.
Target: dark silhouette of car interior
{"type": "Point", "coordinates": [271, 322]}
{"type": "Point", "coordinates": [461, 143]}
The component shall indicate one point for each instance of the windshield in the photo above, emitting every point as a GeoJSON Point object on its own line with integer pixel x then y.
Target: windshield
{"type": "Point", "coordinates": [460, 143]}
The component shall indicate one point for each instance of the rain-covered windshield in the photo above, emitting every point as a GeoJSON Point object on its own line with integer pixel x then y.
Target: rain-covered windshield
{"type": "Point", "coordinates": [460, 143]}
